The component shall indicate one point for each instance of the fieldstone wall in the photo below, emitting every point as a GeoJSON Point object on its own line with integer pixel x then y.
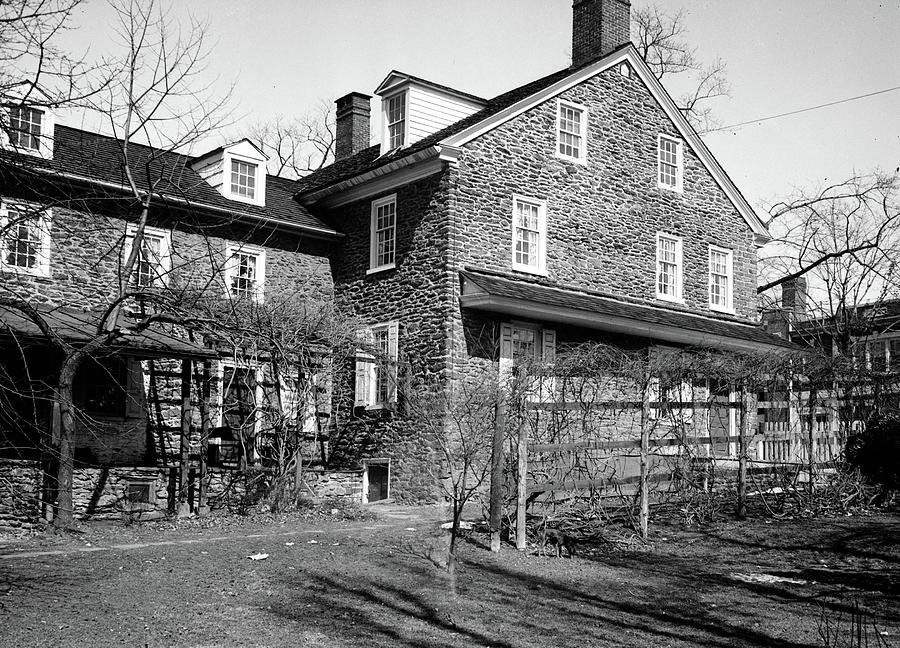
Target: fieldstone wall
{"type": "Point", "coordinates": [101, 493]}
{"type": "Point", "coordinates": [20, 494]}
{"type": "Point", "coordinates": [602, 216]}
{"type": "Point", "coordinates": [418, 293]}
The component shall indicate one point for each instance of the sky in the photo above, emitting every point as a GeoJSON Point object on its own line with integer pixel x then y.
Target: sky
{"type": "Point", "coordinates": [287, 56]}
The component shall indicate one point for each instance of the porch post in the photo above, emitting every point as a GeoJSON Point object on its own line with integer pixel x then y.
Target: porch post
{"type": "Point", "coordinates": [205, 425]}
{"type": "Point", "coordinates": [186, 413]}
{"type": "Point", "coordinates": [496, 508]}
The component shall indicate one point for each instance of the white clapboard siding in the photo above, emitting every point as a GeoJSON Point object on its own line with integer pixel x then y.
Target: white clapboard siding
{"type": "Point", "coordinates": [431, 110]}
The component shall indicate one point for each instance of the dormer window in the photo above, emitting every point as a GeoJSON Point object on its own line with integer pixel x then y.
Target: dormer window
{"type": "Point", "coordinates": [28, 130]}
{"type": "Point", "coordinates": [243, 179]}
{"type": "Point", "coordinates": [395, 115]}
{"type": "Point", "coordinates": [237, 171]}
{"type": "Point", "coordinates": [25, 127]}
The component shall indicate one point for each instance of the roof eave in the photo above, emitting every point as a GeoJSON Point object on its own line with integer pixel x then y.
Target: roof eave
{"type": "Point", "coordinates": [314, 232]}
{"type": "Point", "coordinates": [611, 323]}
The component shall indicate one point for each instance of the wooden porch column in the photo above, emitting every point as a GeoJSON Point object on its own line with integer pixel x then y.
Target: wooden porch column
{"type": "Point", "coordinates": [186, 415]}
{"type": "Point", "coordinates": [205, 425]}
{"type": "Point", "coordinates": [644, 515]}
{"type": "Point", "coordinates": [496, 509]}
{"type": "Point", "coordinates": [743, 451]}
{"type": "Point", "coordinates": [521, 486]}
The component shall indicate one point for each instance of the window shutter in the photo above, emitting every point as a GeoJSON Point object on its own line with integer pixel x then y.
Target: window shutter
{"type": "Point", "coordinates": [548, 349]}
{"type": "Point", "coordinates": [365, 372]}
{"type": "Point", "coordinates": [393, 355]}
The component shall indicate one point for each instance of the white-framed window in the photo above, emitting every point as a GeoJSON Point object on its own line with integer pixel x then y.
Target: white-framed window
{"type": "Point", "coordinates": [243, 179]}
{"type": "Point", "coordinates": [571, 131]}
{"type": "Point", "coordinates": [245, 272]}
{"type": "Point", "coordinates": [721, 279]}
{"type": "Point", "coordinates": [670, 163]}
{"type": "Point", "coordinates": [376, 366]}
{"type": "Point", "coordinates": [154, 260]}
{"type": "Point", "coordinates": [30, 130]}
{"type": "Point", "coordinates": [525, 345]}
{"type": "Point", "coordinates": [25, 238]}
{"type": "Point", "coordinates": [529, 235]}
{"type": "Point", "coordinates": [383, 238]}
{"type": "Point", "coordinates": [668, 267]}
{"type": "Point", "coordinates": [25, 127]}
{"type": "Point", "coordinates": [395, 122]}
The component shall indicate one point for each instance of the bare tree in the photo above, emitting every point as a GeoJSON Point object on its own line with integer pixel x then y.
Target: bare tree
{"type": "Point", "coordinates": [299, 146]}
{"type": "Point", "coordinates": [660, 40]}
{"type": "Point", "coordinates": [844, 237]}
{"type": "Point", "coordinates": [155, 95]}
{"type": "Point", "coordinates": [33, 69]}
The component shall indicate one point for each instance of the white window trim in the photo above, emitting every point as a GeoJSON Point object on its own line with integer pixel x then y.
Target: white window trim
{"type": "Point", "coordinates": [679, 163]}
{"type": "Point", "coordinates": [260, 188]}
{"type": "Point", "coordinates": [581, 159]}
{"type": "Point", "coordinates": [365, 387]}
{"type": "Point", "coordinates": [373, 242]}
{"type": "Point", "coordinates": [48, 122]}
{"type": "Point", "coordinates": [729, 268]}
{"type": "Point", "coordinates": [231, 268]}
{"type": "Point", "coordinates": [678, 298]}
{"type": "Point", "coordinates": [541, 268]}
{"type": "Point", "coordinates": [45, 217]}
{"type": "Point", "coordinates": [385, 131]}
{"type": "Point", "coordinates": [165, 250]}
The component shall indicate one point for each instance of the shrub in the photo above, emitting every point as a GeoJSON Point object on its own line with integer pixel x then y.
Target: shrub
{"type": "Point", "coordinates": [875, 451]}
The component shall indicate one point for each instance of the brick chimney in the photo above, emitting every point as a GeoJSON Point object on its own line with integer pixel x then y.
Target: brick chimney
{"type": "Point", "coordinates": [351, 124]}
{"type": "Point", "coordinates": [599, 27]}
{"type": "Point", "coordinates": [793, 299]}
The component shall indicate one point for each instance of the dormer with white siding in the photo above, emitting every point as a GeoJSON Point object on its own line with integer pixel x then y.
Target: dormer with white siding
{"type": "Point", "coordinates": [236, 170]}
{"type": "Point", "coordinates": [413, 108]}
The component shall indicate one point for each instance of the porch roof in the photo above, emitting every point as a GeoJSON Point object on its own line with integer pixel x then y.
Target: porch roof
{"type": "Point", "coordinates": [78, 327]}
{"type": "Point", "coordinates": [499, 294]}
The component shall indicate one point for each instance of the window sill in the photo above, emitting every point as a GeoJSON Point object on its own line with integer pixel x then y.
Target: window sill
{"type": "Point", "coordinates": [721, 309]}
{"type": "Point", "coordinates": [34, 274]}
{"type": "Point", "coordinates": [383, 268]}
{"type": "Point", "coordinates": [678, 189]}
{"type": "Point", "coordinates": [670, 299]}
{"type": "Point", "coordinates": [538, 272]}
{"type": "Point", "coordinates": [571, 160]}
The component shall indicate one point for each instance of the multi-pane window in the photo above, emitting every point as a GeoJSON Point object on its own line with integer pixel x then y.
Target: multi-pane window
{"type": "Point", "coordinates": [243, 179]}
{"type": "Point", "coordinates": [878, 350]}
{"type": "Point", "coordinates": [245, 272]}
{"type": "Point", "coordinates": [395, 114]}
{"type": "Point", "coordinates": [24, 240]}
{"type": "Point", "coordinates": [668, 267]}
{"type": "Point", "coordinates": [152, 264]}
{"type": "Point", "coordinates": [529, 232]}
{"type": "Point", "coordinates": [25, 127]}
{"type": "Point", "coordinates": [720, 279]}
{"type": "Point", "coordinates": [383, 233]}
{"type": "Point", "coordinates": [669, 163]}
{"type": "Point", "coordinates": [571, 126]}
{"type": "Point", "coordinates": [383, 366]}
{"type": "Point", "coordinates": [376, 366]}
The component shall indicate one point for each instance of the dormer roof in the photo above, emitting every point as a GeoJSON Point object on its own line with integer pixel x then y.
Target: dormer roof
{"type": "Point", "coordinates": [395, 79]}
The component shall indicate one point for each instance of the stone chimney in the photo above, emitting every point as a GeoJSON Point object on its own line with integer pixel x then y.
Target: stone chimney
{"type": "Point", "coordinates": [598, 27]}
{"type": "Point", "coordinates": [351, 124]}
{"type": "Point", "coordinates": [793, 299]}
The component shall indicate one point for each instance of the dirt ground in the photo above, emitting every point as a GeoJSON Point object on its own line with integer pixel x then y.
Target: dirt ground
{"type": "Point", "coordinates": [372, 582]}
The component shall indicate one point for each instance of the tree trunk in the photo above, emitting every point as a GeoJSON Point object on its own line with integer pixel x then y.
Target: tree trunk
{"type": "Point", "coordinates": [65, 508]}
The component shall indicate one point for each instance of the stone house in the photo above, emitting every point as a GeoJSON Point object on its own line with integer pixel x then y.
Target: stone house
{"type": "Point", "coordinates": [221, 229]}
{"type": "Point", "coordinates": [581, 206]}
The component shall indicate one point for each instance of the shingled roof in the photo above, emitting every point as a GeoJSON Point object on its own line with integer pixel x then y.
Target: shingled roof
{"type": "Point", "coordinates": [589, 306]}
{"type": "Point", "coordinates": [368, 159]}
{"type": "Point", "coordinates": [92, 157]}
